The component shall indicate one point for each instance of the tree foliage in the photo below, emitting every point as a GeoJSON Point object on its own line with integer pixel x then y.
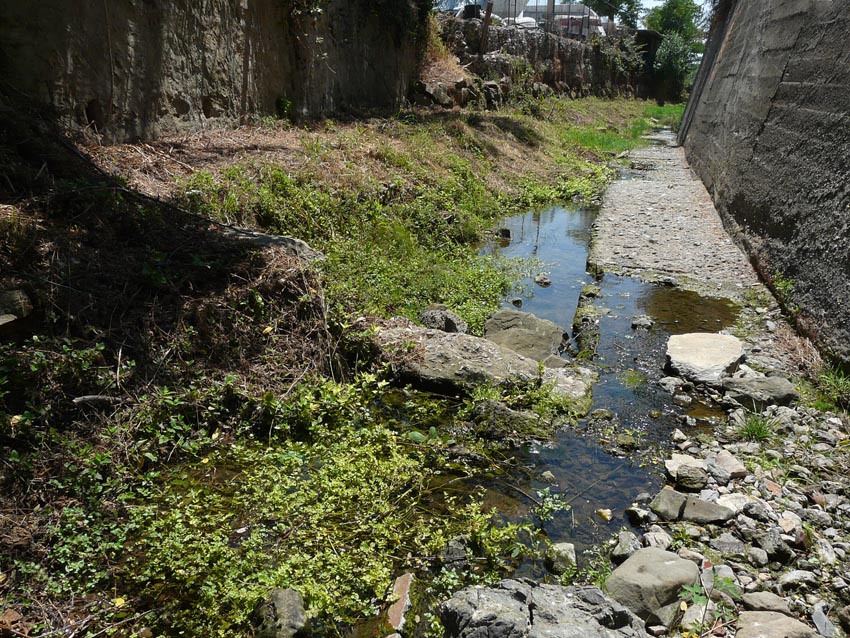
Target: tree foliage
{"type": "Point", "coordinates": [626, 11]}
{"type": "Point", "coordinates": [672, 64]}
{"type": "Point", "coordinates": [682, 17]}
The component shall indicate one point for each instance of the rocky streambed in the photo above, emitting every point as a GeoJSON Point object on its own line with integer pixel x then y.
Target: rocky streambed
{"type": "Point", "coordinates": [743, 528]}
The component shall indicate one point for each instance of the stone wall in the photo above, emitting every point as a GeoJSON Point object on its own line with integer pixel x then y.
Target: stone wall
{"type": "Point", "coordinates": [569, 66]}
{"type": "Point", "coordinates": [768, 131]}
{"type": "Point", "coordinates": [143, 68]}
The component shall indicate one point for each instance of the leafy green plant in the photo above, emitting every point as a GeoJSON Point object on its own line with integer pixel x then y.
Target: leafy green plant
{"type": "Point", "coordinates": [673, 62]}
{"type": "Point", "coordinates": [703, 594]}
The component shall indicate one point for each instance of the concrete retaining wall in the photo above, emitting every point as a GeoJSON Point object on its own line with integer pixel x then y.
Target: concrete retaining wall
{"type": "Point", "coordinates": [768, 131]}
{"type": "Point", "coordinates": [142, 68]}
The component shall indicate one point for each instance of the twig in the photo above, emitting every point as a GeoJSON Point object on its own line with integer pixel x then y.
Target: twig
{"type": "Point", "coordinates": [525, 494]}
{"type": "Point", "coordinates": [97, 398]}
{"type": "Point", "coordinates": [594, 484]}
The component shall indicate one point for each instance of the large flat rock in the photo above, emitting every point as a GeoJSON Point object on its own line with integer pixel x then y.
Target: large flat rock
{"type": "Point", "coordinates": [524, 609]}
{"type": "Point", "coordinates": [649, 581]}
{"type": "Point", "coordinates": [525, 333]}
{"type": "Point", "coordinates": [460, 362]}
{"type": "Point", "coordinates": [704, 357]}
{"type": "Point", "coordinates": [771, 624]}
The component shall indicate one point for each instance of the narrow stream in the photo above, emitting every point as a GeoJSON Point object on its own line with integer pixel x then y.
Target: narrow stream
{"type": "Point", "coordinates": [587, 471]}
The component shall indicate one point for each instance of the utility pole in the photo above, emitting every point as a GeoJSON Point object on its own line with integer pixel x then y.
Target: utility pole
{"type": "Point", "coordinates": [485, 30]}
{"type": "Point", "coordinates": [550, 15]}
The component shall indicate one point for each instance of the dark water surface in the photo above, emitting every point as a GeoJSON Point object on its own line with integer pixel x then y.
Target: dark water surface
{"type": "Point", "coordinates": [629, 364]}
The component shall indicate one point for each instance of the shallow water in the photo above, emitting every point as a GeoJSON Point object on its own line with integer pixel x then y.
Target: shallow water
{"type": "Point", "coordinates": [629, 363]}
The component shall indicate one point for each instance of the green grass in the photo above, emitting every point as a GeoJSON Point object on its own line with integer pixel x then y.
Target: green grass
{"type": "Point", "coordinates": [834, 385]}
{"type": "Point", "coordinates": [757, 427]}
{"type": "Point", "coordinates": [667, 115]}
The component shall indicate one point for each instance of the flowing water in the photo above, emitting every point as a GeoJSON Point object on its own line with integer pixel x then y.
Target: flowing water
{"type": "Point", "coordinates": [588, 473]}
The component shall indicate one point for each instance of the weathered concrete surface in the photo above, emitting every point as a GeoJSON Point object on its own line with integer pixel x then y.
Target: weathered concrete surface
{"type": "Point", "coordinates": [662, 224]}
{"type": "Point", "coordinates": [142, 69]}
{"type": "Point", "coordinates": [768, 131]}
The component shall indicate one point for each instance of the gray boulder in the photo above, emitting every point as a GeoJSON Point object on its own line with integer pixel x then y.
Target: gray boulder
{"type": "Point", "coordinates": [282, 615]}
{"type": "Point", "coordinates": [560, 558]}
{"type": "Point", "coordinates": [627, 544]}
{"type": "Point", "coordinates": [525, 333]}
{"type": "Point", "coordinates": [650, 581]}
{"type": "Point", "coordinates": [765, 601]}
{"type": "Point", "coordinates": [769, 624]}
{"type": "Point", "coordinates": [459, 362]}
{"type": "Point", "coordinates": [671, 505]}
{"type": "Point", "coordinates": [700, 511]}
{"type": "Point", "coordinates": [439, 317]}
{"type": "Point", "coordinates": [668, 504]}
{"type": "Point", "coordinates": [757, 393]}
{"type": "Point", "coordinates": [525, 609]}
{"type": "Point", "coordinates": [704, 357]}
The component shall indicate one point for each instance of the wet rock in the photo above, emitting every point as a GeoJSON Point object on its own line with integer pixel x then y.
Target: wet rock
{"type": "Point", "coordinates": [543, 281]}
{"type": "Point", "coordinates": [549, 478]}
{"type": "Point", "coordinates": [649, 581]}
{"type": "Point", "coordinates": [505, 611]}
{"type": "Point", "coordinates": [757, 393]}
{"type": "Point", "coordinates": [455, 555]}
{"type": "Point", "coordinates": [767, 624]}
{"type": "Point", "coordinates": [439, 317]}
{"type": "Point", "coordinates": [525, 333]}
{"type": "Point", "coordinates": [765, 601]}
{"type": "Point", "coordinates": [282, 615]}
{"type": "Point", "coordinates": [560, 558]}
{"type": "Point", "coordinates": [627, 544]}
{"type": "Point", "coordinates": [642, 321]}
{"type": "Point", "coordinates": [671, 384]}
{"type": "Point", "coordinates": [501, 423]}
{"type": "Point", "coordinates": [703, 357]}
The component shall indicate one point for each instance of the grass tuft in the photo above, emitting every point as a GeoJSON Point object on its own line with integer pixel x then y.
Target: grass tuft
{"type": "Point", "coordinates": [757, 427]}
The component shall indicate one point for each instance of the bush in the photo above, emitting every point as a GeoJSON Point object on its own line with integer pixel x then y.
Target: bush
{"type": "Point", "coordinates": [672, 64]}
